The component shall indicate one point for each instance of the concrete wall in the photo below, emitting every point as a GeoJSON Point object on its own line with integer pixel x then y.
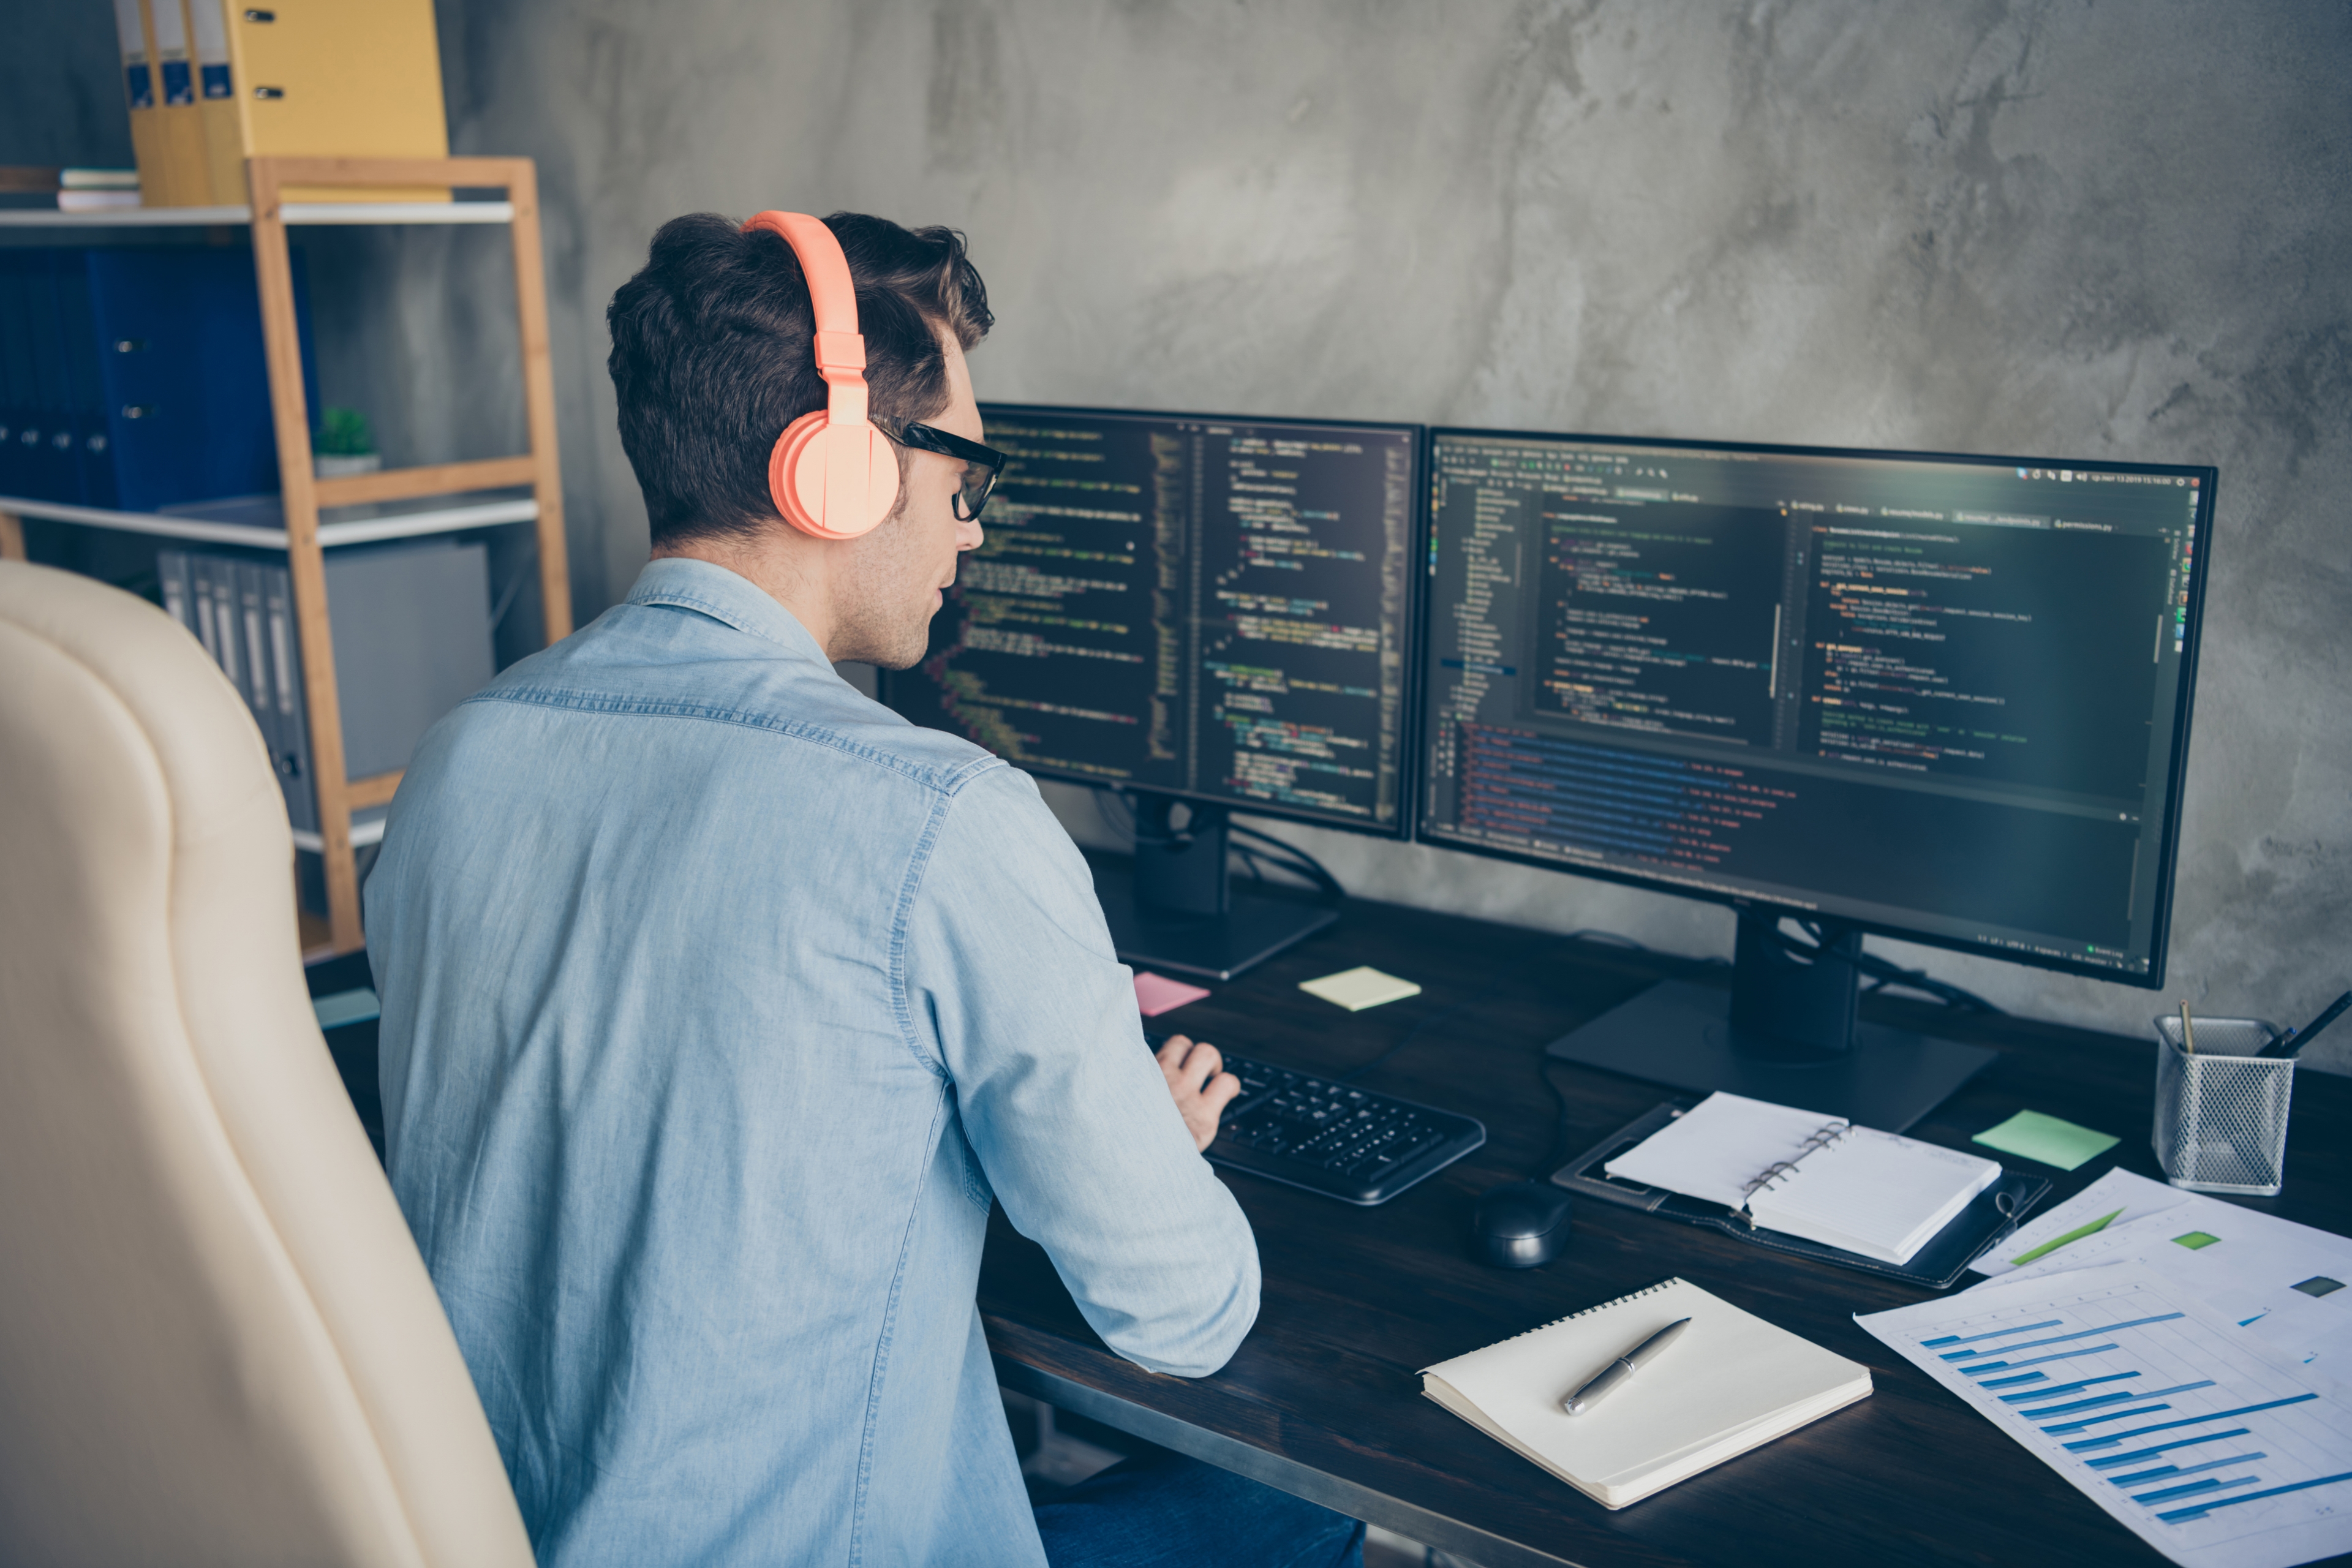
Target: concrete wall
{"type": "Point", "coordinates": [2061, 229]}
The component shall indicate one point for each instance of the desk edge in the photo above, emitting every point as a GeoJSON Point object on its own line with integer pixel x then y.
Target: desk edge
{"type": "Point", "coordinates": [1288, 1474]}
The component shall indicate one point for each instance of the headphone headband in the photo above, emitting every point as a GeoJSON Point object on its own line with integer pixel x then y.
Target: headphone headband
{"type": "Point", "coordinates": [833, 474]}
{"type": "Point", "coordinates": [833, 297]}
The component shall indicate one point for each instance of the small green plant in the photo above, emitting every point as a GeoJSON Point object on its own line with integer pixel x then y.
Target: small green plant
{"type": "Point", "coordinates": [343, 433]}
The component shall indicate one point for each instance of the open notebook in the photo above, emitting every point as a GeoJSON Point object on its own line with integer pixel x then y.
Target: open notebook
{"type": "Point", "coordinates": [1807, 1174]}
{"type": "Point", "coordinates": [1731, 1382]}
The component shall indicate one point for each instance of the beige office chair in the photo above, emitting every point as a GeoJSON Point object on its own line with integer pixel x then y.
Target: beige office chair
{"type": "Point", "coordinates": [217, 1341]}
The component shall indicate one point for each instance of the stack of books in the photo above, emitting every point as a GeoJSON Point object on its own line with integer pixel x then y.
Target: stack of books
{"type": "Point", "coordinates": [70, 190]}
{"type": "Point", "coordinates": [97, 190]}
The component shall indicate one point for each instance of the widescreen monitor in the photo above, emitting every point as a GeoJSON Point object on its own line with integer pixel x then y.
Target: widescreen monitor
{"type": "Point", "coordinates": [1941, 698]}
{"type": "Point", "coordinates": [1207, 614]}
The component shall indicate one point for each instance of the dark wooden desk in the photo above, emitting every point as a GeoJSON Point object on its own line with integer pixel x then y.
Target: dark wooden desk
{"type": "Point", "coordinates": [1323, 1399]}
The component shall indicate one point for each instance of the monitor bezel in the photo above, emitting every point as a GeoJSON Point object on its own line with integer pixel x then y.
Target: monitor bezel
{"type": "Point", "coordinates": [2208, 477]}
{"type": "Point", "coordinates": [1407, 737]}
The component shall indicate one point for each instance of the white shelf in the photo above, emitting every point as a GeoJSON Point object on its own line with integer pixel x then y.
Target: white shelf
{"type": "Point", "coordinates": [432, 517]}
{"type": "Point", "coordinates": [295, 214]}
{"type": "Point", "coordinates": [365, 832]}
{"type": "Point", "coordinates": [439, 520]}
{"type": "Point", "coordinates": [299, 213]}
{"type": "Point", "coordinates": [122, 218]}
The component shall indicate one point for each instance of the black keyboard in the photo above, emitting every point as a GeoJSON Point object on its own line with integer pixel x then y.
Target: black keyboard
{"type": "Point", "coordinates": [1333, 1138]}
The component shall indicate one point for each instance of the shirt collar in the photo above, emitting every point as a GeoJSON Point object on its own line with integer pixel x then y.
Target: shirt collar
{"type": "Point", "coordinates": [724, 595]}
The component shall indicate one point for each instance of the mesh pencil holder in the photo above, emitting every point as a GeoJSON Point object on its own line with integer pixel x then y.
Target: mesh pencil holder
{"type": "Point", "coordinates": [2221, 1113]}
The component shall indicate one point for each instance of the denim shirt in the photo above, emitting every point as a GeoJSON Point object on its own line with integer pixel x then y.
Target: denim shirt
{"type": "Point", "coordinates": [719, 1001]}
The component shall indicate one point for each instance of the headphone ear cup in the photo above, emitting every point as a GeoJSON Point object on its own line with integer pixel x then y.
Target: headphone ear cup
{"type": "Point", "coordinates": [833, 481]}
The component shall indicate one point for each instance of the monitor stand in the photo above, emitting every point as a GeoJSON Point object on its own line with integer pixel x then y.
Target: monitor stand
{"type": "Point", "coordinates": [1787, 1033]}
{"type": "Point", "coordinates": [1178, 912]}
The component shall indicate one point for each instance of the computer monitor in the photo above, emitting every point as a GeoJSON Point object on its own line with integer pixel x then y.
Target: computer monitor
{"type": "Point", "coordinates": [1208, 614]}
{"type": "Point", "coordinates": [1945, 699]}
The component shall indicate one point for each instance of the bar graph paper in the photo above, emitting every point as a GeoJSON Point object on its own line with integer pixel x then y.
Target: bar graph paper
{"type": "Point", "coordinates": [2215, 1446]}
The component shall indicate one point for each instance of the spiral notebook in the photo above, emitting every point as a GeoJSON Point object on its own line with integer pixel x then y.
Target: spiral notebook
{"type": "Point", "coordinates": [1731, 1382]}
{"type": "Point", "coordinates": [1809, 1175]}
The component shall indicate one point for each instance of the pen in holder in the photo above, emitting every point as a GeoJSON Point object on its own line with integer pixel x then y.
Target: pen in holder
{"type": "Point", "coordinates": [2220, 1108]}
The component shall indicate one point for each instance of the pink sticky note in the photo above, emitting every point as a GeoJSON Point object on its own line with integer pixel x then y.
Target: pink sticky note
{"type": "Point", "coordinates": [1155, 994]}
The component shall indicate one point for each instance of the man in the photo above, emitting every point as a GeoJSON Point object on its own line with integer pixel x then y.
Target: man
{"type": "Point", "coordinates": [718, 1003]}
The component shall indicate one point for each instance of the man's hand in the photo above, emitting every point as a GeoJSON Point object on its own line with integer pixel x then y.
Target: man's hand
{"type": "Point", "coordinates": [1196, 1076]}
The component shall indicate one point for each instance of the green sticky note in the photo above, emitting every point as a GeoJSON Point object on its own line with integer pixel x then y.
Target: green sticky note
{"type": "Point", "coordinates": [2046, 1139]}
{"type": "Point", "coordinates": [2195, 1239]}
{"type": "Point", "coordinates": [1357, 989]}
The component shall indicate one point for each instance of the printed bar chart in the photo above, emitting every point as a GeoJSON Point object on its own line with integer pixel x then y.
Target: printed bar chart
{"type": "Point", "coordinates": [2210, 1443]}
{"type": "Point", "coordinates": [1979, 1369]}
{"type": "Point", "coordinates": [2100, 1420]}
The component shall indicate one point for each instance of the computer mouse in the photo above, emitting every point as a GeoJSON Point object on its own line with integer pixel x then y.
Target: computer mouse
{"type": "Point", "coordinates": [1521, 1225]}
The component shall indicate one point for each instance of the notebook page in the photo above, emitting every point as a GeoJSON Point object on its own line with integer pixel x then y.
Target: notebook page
{"type": "Point", "coordinates": [1714, 1151]}
{"type": "Point", "coordinates": [1731, 1371]}
{"type": "Point", "coordinates": [1876, 1187]}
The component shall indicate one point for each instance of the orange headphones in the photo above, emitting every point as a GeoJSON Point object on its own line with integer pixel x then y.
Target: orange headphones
{"type": "Point", "coordinates": [832, 473]}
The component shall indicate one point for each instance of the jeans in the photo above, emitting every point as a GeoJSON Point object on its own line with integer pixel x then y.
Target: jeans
{"type": "Point", "coordinates": [1161, 1509]}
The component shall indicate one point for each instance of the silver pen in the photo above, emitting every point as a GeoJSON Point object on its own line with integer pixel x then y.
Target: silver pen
{"type": "Point", "coordinates": [1597, 1387]}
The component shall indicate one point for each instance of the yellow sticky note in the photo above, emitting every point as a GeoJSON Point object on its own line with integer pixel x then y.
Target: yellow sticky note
{"type": "Point", "coordinates": [1357, 989]}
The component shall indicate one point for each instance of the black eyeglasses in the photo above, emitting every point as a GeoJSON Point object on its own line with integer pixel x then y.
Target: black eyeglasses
{"type": "Point", "coordinates": [981, 465]}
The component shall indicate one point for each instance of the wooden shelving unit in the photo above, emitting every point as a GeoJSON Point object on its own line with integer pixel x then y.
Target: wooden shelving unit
{"type": "Point", "coordinates": [302, 494]}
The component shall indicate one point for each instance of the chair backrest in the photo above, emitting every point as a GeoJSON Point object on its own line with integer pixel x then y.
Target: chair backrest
{"type": "Point", "coordinates": [217, 1341]}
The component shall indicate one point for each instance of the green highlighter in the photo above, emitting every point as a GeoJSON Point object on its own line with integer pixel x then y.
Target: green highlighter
{"type": "Point", "coordinates": [2055, 1242]}
{"type": "Point", "coordinates": [2046, 1139]}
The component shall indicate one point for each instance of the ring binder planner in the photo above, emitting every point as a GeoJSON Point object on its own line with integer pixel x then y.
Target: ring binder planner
{"type": "Point", "coordinates": [1800, 1183]}
{"type": "Point", "coordinates": [1830, 1132]}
